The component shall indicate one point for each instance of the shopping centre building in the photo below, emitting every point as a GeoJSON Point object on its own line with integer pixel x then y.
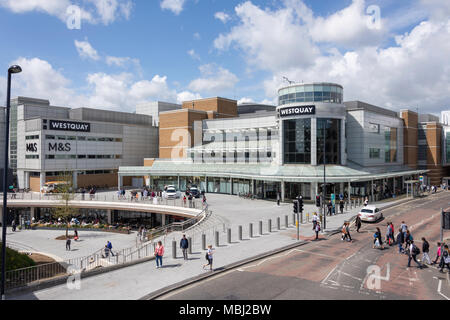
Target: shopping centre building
{"type": "Point", "coordinates": [281, 151]}
{"type": "Point", "coordinates": [88, 144]}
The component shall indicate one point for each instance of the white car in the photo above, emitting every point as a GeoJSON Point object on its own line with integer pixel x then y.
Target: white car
{"type": "Point", "coordinates": [172, 193]}
{"type": "Point", "coordinates": [370, 214]}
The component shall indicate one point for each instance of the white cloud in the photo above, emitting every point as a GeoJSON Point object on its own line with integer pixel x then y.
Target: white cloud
{"type": "Point", "coordinates": [193, 54]}
{"type": "Point", "coordinates": [222, 16]}
{"type": "Point", "coordinates": [86, 51]}
{"type": "Point", "coordinates": [92, 11]}
{"type": "Point", "coordinates": [271, 40]}
{"type": "Point", "coordinates": [121, 91]}
{"type": "Point", "coordinates": [187, 96]}
{"type": "Point", "coordinates": [123, 62]}
{"type": "Point", "coordinates": [176, 6]}
{"type": "Point", "coordinates": [245, 100]}
{"type": "Point", "coordinates": [197, 36]}
{"type": "Point", "coordinates": [214, 80]}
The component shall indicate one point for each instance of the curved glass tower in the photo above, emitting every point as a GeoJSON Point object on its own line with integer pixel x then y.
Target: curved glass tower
{"type": "Point", "coordinates": [312, 119]}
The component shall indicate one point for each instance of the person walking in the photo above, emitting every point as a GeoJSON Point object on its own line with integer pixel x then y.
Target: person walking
{"type": "Point", "coordinates": [330, 207]}
{"type": "Point", "coordinates": [159, 252]}
{"type": "Point", "coordinates": [344, 231]}
{"type": "Point", "coordinates": [209, 257]}
{"type": "Point", "coordinates": [389, 232]}
{"type": "Point", "coordinates": [412, 254]}
{"type": "Point", "coordinates": [76, 235]}
{"type": "Point", "coordinates": [400, 241]}
{"type": "Point", "coordinates": [317, 229]}
{"type": "Point", "coordinates": [347, 231]}
{"type": "Point", "coordinates": [445, 259]}
{"type": "Point", "coordinates": [408, 238]}
{"type": "Point", "coordinates": [425, 250]}
{"type": "Point", "coordinates": [109, 246]}
{"type": "Point", "coordinates": [341, 206]}
{"type": "Point", "coordinates": [184, 245]}
{"type": "Point", "coordinates": [314, 220]}
{"type": "Point", "coordinates": [68, 241]}
{"type": "Point", "coordinates": [358, 223]}
{"type": "Point", "coordinates": [366, 202]}
{"type": "Point", "coordinates": [438, 253]}
{"type": "Point", "coordinates": [13, 225]}
{"type": "Point", "coordinates": [377, 242]}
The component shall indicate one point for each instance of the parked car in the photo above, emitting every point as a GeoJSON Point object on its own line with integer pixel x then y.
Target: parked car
{"type": "Point", "coordinates": [193, 190]}
{"type": "Point", "coordinates": [171, 193]}
{"type": "Point", "coordinates": [370, 214]}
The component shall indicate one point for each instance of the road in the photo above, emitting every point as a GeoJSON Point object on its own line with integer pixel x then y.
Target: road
{"type": "Point", "coordinates": [333, 269]}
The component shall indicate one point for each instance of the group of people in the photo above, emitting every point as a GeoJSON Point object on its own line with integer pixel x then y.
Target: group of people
{"type": "Point", "coordinates": [145, 194]}
{"type": "Point", "coordinates": [184, 246]}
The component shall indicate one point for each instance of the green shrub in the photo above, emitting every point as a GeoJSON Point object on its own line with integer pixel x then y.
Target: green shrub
{"type": "Point", "coordinates": [16, 260]}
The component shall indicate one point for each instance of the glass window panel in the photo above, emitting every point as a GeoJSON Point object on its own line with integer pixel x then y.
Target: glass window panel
{"type": "Point", "coordinates": [318, 87]}
{"type": "Point", "coordinates": [309, 88]}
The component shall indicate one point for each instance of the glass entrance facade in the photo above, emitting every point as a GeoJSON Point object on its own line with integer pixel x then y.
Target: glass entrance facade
{"type": "Point", "coordinates": [330, 130]}
{"type": "Point", "coordinates": [297, 141]}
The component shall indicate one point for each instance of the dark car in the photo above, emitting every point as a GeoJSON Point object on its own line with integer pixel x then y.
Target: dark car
{"type": "Point", "coordinates": [193, 190]}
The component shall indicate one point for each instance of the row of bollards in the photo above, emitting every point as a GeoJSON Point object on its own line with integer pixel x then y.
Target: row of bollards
{"type": "Point", "coordinates": [240, 234]}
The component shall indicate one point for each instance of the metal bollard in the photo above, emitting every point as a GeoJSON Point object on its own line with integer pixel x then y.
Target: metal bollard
{"type": "Point", "coordinates": [278, 223]}
{"type": "Point", "coordinates": [174, 249]}
{"type": "Point", "coordinates": [260, 228]}
{"type": "Point", "coordinates": [240, 233]}
{"type": "Point", "coordinates": [301, 217]}
{"type": "Point", "coordinates": [293, 219]}
{"type": "Point", "coordinates": [204, 241]}
{"type": "Point", "coordinates": [250, 230]}
{"type": "Point", "coordinates": [190, 245]}
{"type": "Point", "coordinates": [217, 238]}
{"type": "Point", "coordinates": [286, 222]}
{"type": "Point", "coordinates": [229, 235]}
{"type": "Point", "coordinates": [269, 225]}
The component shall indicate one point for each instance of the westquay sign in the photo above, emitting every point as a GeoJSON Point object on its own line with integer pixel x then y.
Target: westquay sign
{"type": "Point", "coordinates": [297, 111]}
{"type": "Point", "coordinates": [70, 126]}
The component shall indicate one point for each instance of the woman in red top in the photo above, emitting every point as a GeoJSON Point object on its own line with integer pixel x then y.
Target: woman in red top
{"type": "Point", "coordinates": [159, 252]}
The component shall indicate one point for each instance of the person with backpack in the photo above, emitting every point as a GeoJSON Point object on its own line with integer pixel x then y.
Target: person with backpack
{"type": "Point", "coordinates": [344, 232]}
{"type": "Point", "coordinates": [109, 246]}
{"type": "Point", "coordinates": [209, 258]}
{"type": "Point", "coordinates": [377, 241]}
{"type": "Point", "coordinates": [425, 250]}
{"type": "Point", "coordinates": [412, 254]}
{"type": "Point", "coordinates": [445, 259]}
{"type": "Point", "coordinates": [184, 245]}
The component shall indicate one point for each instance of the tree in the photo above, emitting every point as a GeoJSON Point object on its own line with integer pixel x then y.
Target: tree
{"type": "Point", "coordinates": [66, 194]}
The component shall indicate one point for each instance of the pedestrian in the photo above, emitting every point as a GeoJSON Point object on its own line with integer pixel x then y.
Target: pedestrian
{"type": "Point", "coordinates": [366, 202]}
{"type": "Point", "coordinates": [144, 234]}
{"type": "Point", "coordinates": [412, 254]}
{"type": "Point", "coordinates": [184, 245]}
{"type": "Point", "coordinates": [347, 229]}
{"type": "Point", "coordinates": [404, 227]}
{"type": "Point", "coordinates": [159, 252]}
{"type": "Point", "coordinates": [209, 257]}
{"type": "Point", "coordinates": [13, 225]}
{"type": "Point", "coordinates": [330, 207]}
{"type": "Point", "coordinates": [317, 229]}
{"type": "Point", "coordinates": [392, 233]}
{"type": "Point", "coordinates": [68, 241]}
{"type": "Point", "coordinates": [358, 223]}
{"type": "Point", "coordinates": [204, 200]}
{"type": "Point", "coordinates": [314, 220]}
{"type": "Point", "coordinates": [389, 236]}
{"type": "Point", "coordinates": [344, 231]}
{"type": "Point", "coordinates": [400, 241]}
{"type": "Point", "coordinates": [377, 242]}
{"type": "Point", "coordinates": [408, 238]}
{"type": "Point", "coordinates": [109, 245]}
{"type": "Point", "coordinates": [425, 250]}
{"type": "Point", "coordinates": [341, 206]}
{"type": "Point", "coordinates": [438, 253]}
{"type": "Point", "coordinates": [76, 235]}
{"type": "Point", "coordinates": [106, 251]}
{"type": "Point", "coordinates": [445, 259]}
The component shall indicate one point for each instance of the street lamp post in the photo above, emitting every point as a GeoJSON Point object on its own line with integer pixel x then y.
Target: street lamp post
{"type": "Point", "coordinates": [324, 192]}
{"type": "Point", "coordinates": [11, 70]}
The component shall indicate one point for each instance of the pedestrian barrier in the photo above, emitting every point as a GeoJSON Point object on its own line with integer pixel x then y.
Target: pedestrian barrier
{"type": "Point", "coordinates": [217, 238]}
{"type": "Point", "coordinates": [269, 225]}
{"type": "Point", "coordinates": [286, 222]}
{"type": "Point", "coordinates": [229, 235]}
{"type": "Point", "coordinates": [174, 249]}
{"type": "Point", "coordinates": [250, 230]}
{"type": "Point", "coordinates": [260, 228]}
{"type": "Point", "coordinates": [240, 233]}
{"type": "Point", "coordinates": [190, 245]}
{"type": "Point", "coordinates": [278, 223]}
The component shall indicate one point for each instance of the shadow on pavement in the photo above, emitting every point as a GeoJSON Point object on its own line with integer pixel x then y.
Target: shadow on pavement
{"type": "Point", "coordinates": [171, 265]}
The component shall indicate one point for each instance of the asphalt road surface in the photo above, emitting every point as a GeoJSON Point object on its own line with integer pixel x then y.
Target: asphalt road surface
{"type": "Point", "coordinates": [334, 269]}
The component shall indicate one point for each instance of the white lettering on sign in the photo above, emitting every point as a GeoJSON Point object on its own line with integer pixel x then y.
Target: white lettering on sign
{"type": "Point", "coordinates": [301, 110]}
{"type": "Point", "coordinates": [69, 126]}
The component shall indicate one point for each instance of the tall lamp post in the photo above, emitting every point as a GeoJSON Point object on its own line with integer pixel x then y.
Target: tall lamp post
{"type": "Point", "coordinates": [11, 70]}
{"type": "Point", "coordinates": [324, 189]}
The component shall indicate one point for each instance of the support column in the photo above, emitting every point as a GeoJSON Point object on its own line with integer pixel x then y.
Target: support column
{"type": "Point", "coordinates": [341, 188]}
{"type": "Point", "coordinates": [394, 186]}
{"type": "Point", "coordinates": [32, 213]}
{"type": "Point", "coordinates": [75, 180]}
{"type": "Point", "coordinates": [26, 183]}
{"type": "Point", "coordinates": [349, 190]}
{"type": "Point", "coordinates": [163, 219]}
{"type": "Point", "coordinates": [109, 216]}
{"type": "Point", "coordinates": [119, 181]}
{"type": "Point", "coordinates": [42, 180]}
{"type": "Point", "coordinates": [178, 178]}
{"type": "Point", "coordinates": [231, 185]}
{"type": "Point", "coordinates": [371, 190]}
{"type": "Point", "coordinates": [384, 186]}
{"type": "Point", "coordinates": [283, 190]}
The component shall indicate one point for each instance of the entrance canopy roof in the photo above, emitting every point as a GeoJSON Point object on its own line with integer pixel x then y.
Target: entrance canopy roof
{"type": "Point", "coordinates": [267, 172]}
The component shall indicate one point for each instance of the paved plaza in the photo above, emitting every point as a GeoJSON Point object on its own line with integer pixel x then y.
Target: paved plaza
{"type": "Point", "coordinates": [142, 279]}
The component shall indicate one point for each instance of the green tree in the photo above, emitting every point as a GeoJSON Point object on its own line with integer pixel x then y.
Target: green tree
{"type": "Point", "coordinates": [66, 194]}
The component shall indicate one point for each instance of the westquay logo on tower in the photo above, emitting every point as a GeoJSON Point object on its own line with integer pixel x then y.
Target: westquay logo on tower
{"type": "Point", "coordinates": [70, 126]}
{"type": "Point", "coordinates": [301, 110]}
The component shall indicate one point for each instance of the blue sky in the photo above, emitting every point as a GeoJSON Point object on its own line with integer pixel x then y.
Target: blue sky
{"type": "Point", "coordinates": [131, 51]}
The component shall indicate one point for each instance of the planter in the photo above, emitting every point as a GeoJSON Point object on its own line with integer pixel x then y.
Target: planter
{"type": "Point", "coordinates": [85, 229]}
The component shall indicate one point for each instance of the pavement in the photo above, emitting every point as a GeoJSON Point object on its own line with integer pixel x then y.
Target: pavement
{"type": "Point", "coordinates": [137, 281]}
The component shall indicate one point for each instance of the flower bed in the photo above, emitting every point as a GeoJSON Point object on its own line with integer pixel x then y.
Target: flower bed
{"type": "Point", "coordinates": [88, 227]}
